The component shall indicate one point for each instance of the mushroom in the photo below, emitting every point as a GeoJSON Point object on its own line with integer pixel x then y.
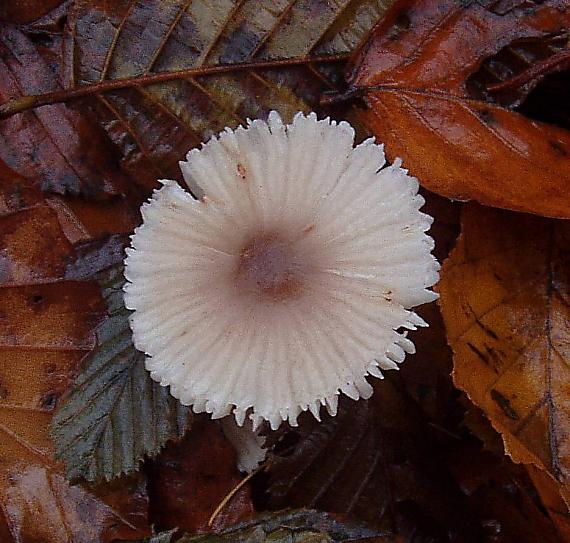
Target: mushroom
{"type": "Point", "coordinates": [290, 280]}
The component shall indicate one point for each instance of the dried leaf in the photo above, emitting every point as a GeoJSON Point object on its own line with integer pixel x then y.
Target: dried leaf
{"type": "Point", "coordinates": [155, 126]}
{"type": "Point", "coordinates": [376, 462]}
{"type": "Point", "coordinates": [416, 67]}
{"type": "Point", "coordinates": [115, 415]}
{"type": "Point", "coordinates": [46, 327]}
{"type": "Point", "coordinates": [57, 144]}
{"type": "Point", "coordinates": [190, 479]}
{"type": "Point", "coordinates": [505, 303]}
{"type": "Point", "coordinates": [302, 526]}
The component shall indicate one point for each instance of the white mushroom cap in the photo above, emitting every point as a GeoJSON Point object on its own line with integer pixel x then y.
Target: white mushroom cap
{"type": "Point", "coordinates": [290, 281]}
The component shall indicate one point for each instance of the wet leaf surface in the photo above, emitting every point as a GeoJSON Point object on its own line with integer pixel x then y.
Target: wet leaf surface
{"type": "Point", "coordinates": [155, 126]}
{"type": "Point", "coordinates": [47, 324]}
{"type": "Point", "coordinates": [418, 461]}
{"type": "Point", "coordinates": [416, 68]}
{"type": "Point", "coordinates": [504, 299]}
{"type": "Point", "coordinates": [59, 145]}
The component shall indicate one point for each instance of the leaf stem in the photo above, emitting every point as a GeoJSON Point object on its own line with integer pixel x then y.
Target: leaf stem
{"type": "Point", "coordinates": [24, 103]}
{"type": "Point", "coordinates": [231, 494]}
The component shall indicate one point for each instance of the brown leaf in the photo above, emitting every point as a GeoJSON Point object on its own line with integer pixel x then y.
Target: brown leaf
{"type": "Point", "coordinates": [377, 462]}
{"type": "Point", "coordinates": [154, 126]}
{"type": "Point", "coordinates": [44, 332]}
{"type": "Point", "coordinates": [59, 145]}
{"type": "Point", "coordinates": [25, 11]}
{"type": "Point", "coordinates": [505, 303]}
{"type": "Point", "coordinates": [416, 67]}
{"type": "Point", "coordinates": [46, 327]}
{"type": "Point", "coordinates": [191, 477]}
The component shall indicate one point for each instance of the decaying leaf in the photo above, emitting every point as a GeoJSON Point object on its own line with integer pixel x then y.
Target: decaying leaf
{"type": "Point", "coordinates": [155, 126]}
{"type": "Point", "coordinates": [375, 462]}
{"type": "Point", "coordinates": [502, 495]}
{"type": "Point", "coordinates": [505, 302]}
{"type": "Point", "coordinates": [115, 415]}
{"type": "Point", "coordinates": [25, 11]}
{"type": "Point", "coordinates": [302, 526]}
{"type": "Point", "coordinates": [415, 69]}
{"type": "Point", "coordinates": [63, 149]}
{"type": "Point", "coordinates": [191, 477]}
{"type": "Point", "coordinates": [46, 328]}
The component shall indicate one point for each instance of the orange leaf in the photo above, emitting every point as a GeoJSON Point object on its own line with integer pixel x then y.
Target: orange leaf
{"type": "Point", "coordinates": [416, 67]}
{"type": "Point", "coordinates": [46, 327]}
{"type": "Point", "coordinates": [505, 299]}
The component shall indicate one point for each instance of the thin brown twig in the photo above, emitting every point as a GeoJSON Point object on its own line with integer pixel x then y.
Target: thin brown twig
{"type": "Point", "coordinates": [221, 506]}
{"type": "Point", "coordinates": [556, 63]}
{"type": "Point", "coordinates": [23, 103]}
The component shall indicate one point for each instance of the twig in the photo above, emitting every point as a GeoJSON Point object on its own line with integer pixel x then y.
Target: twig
{"type": "Point", "coordinates": [232, 493]}
{"type": "Point", "coordinates": [556, 63]}
{"type": "Point", "coordinates": [23, 103]}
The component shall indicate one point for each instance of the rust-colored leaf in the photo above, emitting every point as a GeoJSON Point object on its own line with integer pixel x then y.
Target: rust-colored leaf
{"type": "Point", "coordinates": [44, 332]}
{"type": "Point", "coordinates": [190, 479]}
{"type": "Point", "coordinates": [416, 69]}
{"type": "Point", "coordinates": [47, 317]}
{"type": "Point", "coordinates": [506, 305]}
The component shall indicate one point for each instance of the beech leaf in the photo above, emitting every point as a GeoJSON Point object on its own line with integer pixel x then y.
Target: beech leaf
{"type": "Point", "coordinates": [415, 70]}
{"type": "Point", "coordinates": [48, 314]}
{"type": "Point", "coordinates": [505, 300]}
{"type": "Point", "coordinates": [115, 415]}
{"type": "Point", "coordinates": [155, 126]}
{"type": "Point", "coordinates": [60, 146]}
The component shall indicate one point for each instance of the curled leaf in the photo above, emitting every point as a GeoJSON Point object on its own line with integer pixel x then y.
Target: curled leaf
{"type": "Point", "coordinates": [416, 68]}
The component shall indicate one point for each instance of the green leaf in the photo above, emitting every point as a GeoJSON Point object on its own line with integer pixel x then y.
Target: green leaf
{"type": "Point", "coordinates": [302, 526]}
{"type": "Point", "coordinates": [115, 415]}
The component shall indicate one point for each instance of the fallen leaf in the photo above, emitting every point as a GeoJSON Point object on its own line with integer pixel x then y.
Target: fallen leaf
{"type": "Point", "coordinates": [375, 462]}
{"type": "Point", "coordinates": [43, 337]}
{"type": "Point", "coordinates": [115, 415]}
{"type": "Point", "coordinates": [302, 526]}
{"type": "Point", "coordinates": [191, 478]}
{"type": "Point", "coordinates": [505, 302]}
{"type": "Point", "coordinates": [26, 11]}
{"type": "Point", "coordinates": [414, 71]}
{"type": "Point", "coordinates": [155, 126]}
{"type": "Point", "coordinates": [46, 328]}
{"type": "Point", "coordinates": [58, 145]}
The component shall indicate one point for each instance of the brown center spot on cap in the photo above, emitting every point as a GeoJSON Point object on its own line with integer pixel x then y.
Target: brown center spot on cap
{"type": "Point", "coordinates": [266, 266]}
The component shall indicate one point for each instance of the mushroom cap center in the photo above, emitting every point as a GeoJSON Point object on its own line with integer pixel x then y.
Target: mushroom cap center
{"type": "Point", "coordinates": [267, 267]}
